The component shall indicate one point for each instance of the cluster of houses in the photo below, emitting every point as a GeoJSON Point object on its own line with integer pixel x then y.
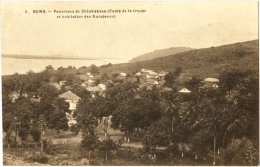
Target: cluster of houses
{"type": "Point", "coordinates": [147, 78]}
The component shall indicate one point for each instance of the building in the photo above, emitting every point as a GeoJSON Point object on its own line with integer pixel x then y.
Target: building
{"type": "Point", "coordinates": [211, 80]}
{"type": "Point", "coordinates": [210, 83]}
{"type": "Point", "coordinates": [62, 82]}
{"type": "Point", "coordinates": [34, 99]}
{"type": "Point", "coordinates": [122, 74]}
{"type": "Point", "coordinates": [71, 98]}
{"type": "Point", "coordinates": [93, 90]}
{"type": "Point", "coordinates": [102, 86]}
{"type": "Point", "coordinates": [184, 90]}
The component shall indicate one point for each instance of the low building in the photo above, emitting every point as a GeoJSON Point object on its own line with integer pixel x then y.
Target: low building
{"type": "Point", "coordinates": [71, 98]}
{"type": "Point", "coordinates": [184, 90]}
{"type": "Point", "coordinates": [102, 86]}
{"type": "Point", "coordinates": [211, 80]}
{"type": "Point", "coordinates": [94, 90]}
{"type": "Point", "coordinates": [138, 74]}
{"type": "Point", "coordinates": [62, 82]}
{"type": "Point", "coordinates": [209, 85]}
{"type": "Point", "coordinates": [122, 74]}
{"type": "Point", "coordinates": [34, 99]}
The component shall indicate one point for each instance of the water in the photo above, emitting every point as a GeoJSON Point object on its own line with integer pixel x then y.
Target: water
{"type": "Point", "coordinates": [22, 66]}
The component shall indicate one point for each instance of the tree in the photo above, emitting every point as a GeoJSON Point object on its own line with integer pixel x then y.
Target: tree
{"type": "Point", "coordinates": [158, 134]}
{"type": "Point", "coordinates": [49, 68]}
{"type": "Point", "coordinates": [36, 134]}
{"type": "Point", "coordinates": [172, 76]}
{"type": "Point", "coordinates": [86, 121]}
{"type": "Point", "coordinates": [241, 152]}
{"type": "Point", "coordinates": [108, 145]}
{"type": "Point", "coordinates": [90, 143]}
{"type": "Point", "coordinates": [235, 122]}
{"type": "Point", "coordinates": [19, 83]}
{"type": "Point", "coordinates": [104, 77]}
{"type": "Point", "coordinates": [94, 69]}
{"type": "Point", "coordinates": [48, 92]}
{"type": "Point", "coordinates": [212, 121]}
{"type": "Point", "coordinates": [58, 121]}
{"type": "Point", "coordinates": [62, 105]}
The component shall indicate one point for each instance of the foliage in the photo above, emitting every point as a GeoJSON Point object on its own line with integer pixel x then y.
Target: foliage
{"type": "Point", "coordinates": [241, 152]}
{"type": "Point", "coordinates": [172, 76]}
{"type": "Point", "coordinates": [90, 143]}
{"type": "Point", "coordinates": [94, 69]}
{"type": "Point", "coordinates": [107, 146]}
{"type": "Point", "coordinates": [58, 121]}
{"type": "Point", "coordinates": [37, 157]}
{"type": "Point", "coordinates": [36, 134]}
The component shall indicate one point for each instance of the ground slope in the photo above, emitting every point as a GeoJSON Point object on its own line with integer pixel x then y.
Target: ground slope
{"type": "Point", "coordinates": [160, 53]}
{"type": "Point", "coordinates": [203, 62]}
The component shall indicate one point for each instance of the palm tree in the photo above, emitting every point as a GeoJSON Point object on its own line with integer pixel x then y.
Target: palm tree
{"type": "Point", "coordinates": [235, 122]}
{"type": "Point", "coordinates": [212, 119]}
{"type": "Point", "coordinates": [108, 145]}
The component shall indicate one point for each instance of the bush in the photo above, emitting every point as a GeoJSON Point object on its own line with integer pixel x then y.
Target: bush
{"type": "Point", "coordinates": [37, 157]}
{"type": "Point", "coordinates": [241, 152]}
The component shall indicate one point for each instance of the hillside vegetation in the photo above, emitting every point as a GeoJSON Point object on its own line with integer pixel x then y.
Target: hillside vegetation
{"type": "Point", "coordinates": [160, 53]}
{"type": "Point", "coordinates": [204, 62]}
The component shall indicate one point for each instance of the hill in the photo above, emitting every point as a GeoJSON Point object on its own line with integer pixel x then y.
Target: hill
{"type": "Point", "coordinates": [160, 53]}
{"type": "Point", "coordinates": [204, 62]}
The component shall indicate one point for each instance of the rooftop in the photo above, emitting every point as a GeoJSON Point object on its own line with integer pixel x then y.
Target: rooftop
{"type": "Point", "coordinates": [70, 96]}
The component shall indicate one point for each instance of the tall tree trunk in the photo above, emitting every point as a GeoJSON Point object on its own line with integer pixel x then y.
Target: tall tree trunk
{"type": "Point", "coordinates": [224, 140]}
{"type": "Point", "coordinates": [106, 155]}
{"type": "Point", "coordinates": [214, 162]}
{"type": "Point", "coordinates": [172, 125]}
{"type": "Point", "coordinates": [42, 145]}
{"type": "Point", "coordinates": [58, 133]}
{"type": "Point", "coordinates": [233, 138]}
{"type": "Point", "coordinates": [89, 155]}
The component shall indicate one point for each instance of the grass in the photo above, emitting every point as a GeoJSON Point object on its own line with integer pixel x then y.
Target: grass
{"type": "Point", "coordinates": [66, 151]}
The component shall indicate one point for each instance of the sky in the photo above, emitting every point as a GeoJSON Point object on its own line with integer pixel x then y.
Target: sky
{"type": "Point", "coordinates": [163, 25]}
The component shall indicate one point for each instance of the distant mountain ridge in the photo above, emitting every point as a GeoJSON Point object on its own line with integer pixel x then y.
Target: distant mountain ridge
{"type": "Point", "coordinates": [160, 53]}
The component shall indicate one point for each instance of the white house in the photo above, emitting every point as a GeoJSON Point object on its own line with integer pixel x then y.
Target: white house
{"type": "Point", "coordinates": [122, 74]}
{"type": "Point", "coordinates": [62, 82]}
{"type": "Point", "coordinates": [138, 74]}
{"type": "Point", "coordinates": [102, 86]}
{"type": "Point", "coordinates": [156, 83]}
{"type": "Point", "coordinates": [211, 80]}
{"type": "Point", "coordinates": [184, 90]}
{"type": "Point", "coordinates": [71, 98]}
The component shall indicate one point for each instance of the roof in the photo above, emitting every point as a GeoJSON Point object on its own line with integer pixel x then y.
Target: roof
{"type": "Point", "coordinates": [138, 74]}
{"type": "Point", "coordinates": [184, 90]}
{"type": "Point", "coordinates": [70, 96]}
{"type": "Point", "coordinates": [93, 89]}
{"type": "Point", "coordinates": [33, 99]}
{"type": "Point", "coordinates": [211, 80]}
{"type": "Point", "coordinates": [123, 74]}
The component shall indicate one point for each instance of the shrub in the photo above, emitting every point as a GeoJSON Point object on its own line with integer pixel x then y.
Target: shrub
{"type": "Point", "coordinates": [241, 152]}
{"type": "Point", "coordinates": [37, 157]}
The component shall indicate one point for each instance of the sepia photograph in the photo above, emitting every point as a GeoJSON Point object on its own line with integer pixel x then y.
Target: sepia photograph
{"type": "Point", "coordinates": [130, 83]}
